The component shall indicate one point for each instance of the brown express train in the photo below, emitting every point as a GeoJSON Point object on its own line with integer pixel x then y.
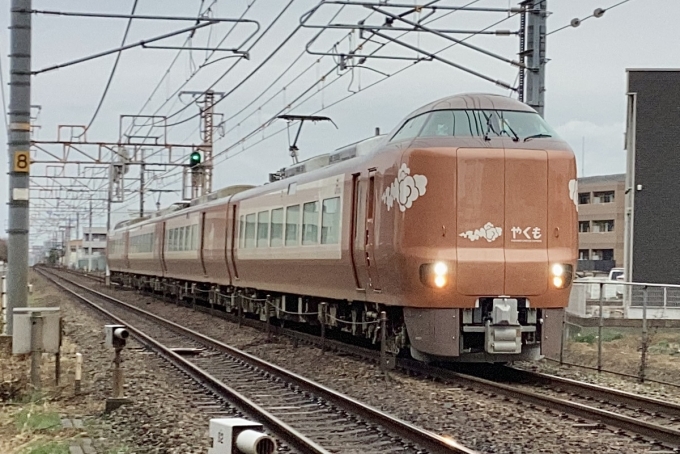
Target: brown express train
{"type": "Point", "coordinates": [460, 224]}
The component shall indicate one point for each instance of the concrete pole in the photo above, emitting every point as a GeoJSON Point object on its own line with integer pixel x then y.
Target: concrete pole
{"type": "Point", "coordinates": [536, 43]}
{"type": "Point", "coordinates": [19, 141]}
{"type": "Point", "coordinates": [89, 251]}
{"type": "Point", "coordinates": [107, 279]}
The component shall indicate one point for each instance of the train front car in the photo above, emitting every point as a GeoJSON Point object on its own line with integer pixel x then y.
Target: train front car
{"type": "Point", "coordinates": [485, 203]}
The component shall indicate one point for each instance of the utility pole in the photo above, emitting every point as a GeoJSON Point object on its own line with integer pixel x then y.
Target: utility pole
{"type": "Point", "coordinates": [207, 146]}
{"type": "Point", "coordinates": [89, 252]}
{"type": "Point", "coordinates": [536, 45]}
{"type": "Point", "coordinates": [142, 170]}
{"type": "Point", "coordinates": [19, 141]}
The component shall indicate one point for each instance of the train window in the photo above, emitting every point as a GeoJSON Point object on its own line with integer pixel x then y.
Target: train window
{"type": "Point", "coordinates": [490, 123]}
{"type": "Point", "coordinates": [310, 223]}
{"type": "Point", "coordinates": [292, 225]}
{"type": "Point", "coordinates": [330, 221]}
{"type": "Point", "coordinates": [263, 229]}
{"type": "Point", "coordinates": [277, 228]}
{"type": "Point", "coordinates": [250, 231]}
{"type": "Point", "coordinates": [410, 129]}
{"type": "Point", "coordinates": [180, 243]}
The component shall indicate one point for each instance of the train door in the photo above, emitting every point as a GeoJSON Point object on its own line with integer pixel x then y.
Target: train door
{"type": "Point", "coordinates": [163, 241]}
{"type": "Point", "coordinates": [370, 239]}
{"type": "Point", "coordinates": [363, 233]}
{"type": "Point", "coordinates": [233, 238]}
{"type": "Point", "coordinates": [356, 246]}
{"type": "Point", "coordinates": [201, 242]}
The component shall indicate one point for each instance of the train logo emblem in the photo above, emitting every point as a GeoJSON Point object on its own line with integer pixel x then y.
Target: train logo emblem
{"type": "Point", "coordinates": [489, 232]}
{"type": "Point", "coordinates": [526, 235]}
{"type": "Point", "coordinates": [405, 189]}
{"type": "Point", "coordinates": [573, 192]}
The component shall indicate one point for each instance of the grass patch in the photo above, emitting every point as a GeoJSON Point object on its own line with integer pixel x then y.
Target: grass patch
{"type": "Point", "coordinates": [28, 419]}
{"type": "Point", "coordinates": [591, 338]}
{"type": "Point", "coordinates": [51, 447]}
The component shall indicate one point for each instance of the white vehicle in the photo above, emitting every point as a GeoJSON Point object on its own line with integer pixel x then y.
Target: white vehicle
{"type": "Point", "coordinates": [616, 274]}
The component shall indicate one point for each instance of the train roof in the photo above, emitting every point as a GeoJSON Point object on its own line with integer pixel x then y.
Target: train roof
{"type": "Point", "coordinates": [473, 101]}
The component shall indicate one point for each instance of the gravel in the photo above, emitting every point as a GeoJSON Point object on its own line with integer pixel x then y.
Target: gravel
{"type": "Point", "coordinates": [480, 421]}
{"type": "Point", "coordinates": [162, 418]}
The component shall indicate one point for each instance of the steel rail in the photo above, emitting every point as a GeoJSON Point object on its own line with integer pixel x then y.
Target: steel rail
{"type": "Point", "coordinates": [292, 436]}
{"type": "Point", "coordinates": [600, 392]}
{"type": "Point", "coordinates": [649, 430]}
{"type": "Point", "coordinates": [424, 438]}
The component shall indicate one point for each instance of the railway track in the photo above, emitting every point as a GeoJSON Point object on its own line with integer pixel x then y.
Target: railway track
{"type": "Point", "coordinates": [307, 416]}
{"type": "Point", "coordinates": [594, 406]}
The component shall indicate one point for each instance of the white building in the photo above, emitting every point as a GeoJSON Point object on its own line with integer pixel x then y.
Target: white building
{"type": "Point", "coordinates": [92, 254]}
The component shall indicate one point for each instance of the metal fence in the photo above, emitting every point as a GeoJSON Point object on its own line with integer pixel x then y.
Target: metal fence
{"type": "Point", "coordinates": [625, 328]}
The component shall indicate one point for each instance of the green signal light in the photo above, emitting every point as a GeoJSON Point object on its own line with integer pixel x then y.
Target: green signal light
{"type": "Point", "coordinates": [195, 159]}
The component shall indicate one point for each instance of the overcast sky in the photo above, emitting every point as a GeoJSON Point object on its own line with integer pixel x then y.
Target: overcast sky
{"type": "Point", "coordinates": [585, 98]}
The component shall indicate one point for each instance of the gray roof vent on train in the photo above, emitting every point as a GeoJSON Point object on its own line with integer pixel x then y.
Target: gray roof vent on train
{"type": "Point", "coordinates": [308, 165]}
{"type": "Point", "coordinates": [361, 148]}
{"type": "Point", "coordinates": [316, 162]}
{"type": "Point", "coordinates": [220, 194]}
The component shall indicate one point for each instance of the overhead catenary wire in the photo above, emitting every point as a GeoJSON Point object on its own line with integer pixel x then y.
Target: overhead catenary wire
{"type": "Point", "coordinates": [247, 77]}
{"type": "Point", "coordinates": [263, 126]}
{"type": "Point", "coordinates": [113, 69]}
{"type": "Point", "coordinates": [597, 13]}
{"type": "Point", "coordinates": [191, 76]}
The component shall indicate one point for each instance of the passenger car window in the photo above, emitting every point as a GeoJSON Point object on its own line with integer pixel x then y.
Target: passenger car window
{"type": "Point", "coordinates": [330, 221]}
{"type": "Point", "coordinates": [263, 229]}
{"type": "Point", "coordinates": [310, 223]}
{"type": "Point", "coordinates": [292, 223]}
{"type": "Point", "coordinates": [250, 231]}
{"type": "Point", "coordinates": [277, 228]}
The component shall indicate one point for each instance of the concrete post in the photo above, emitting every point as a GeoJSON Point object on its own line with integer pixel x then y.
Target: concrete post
{"type": "Point", "coordinates": [19, 141]}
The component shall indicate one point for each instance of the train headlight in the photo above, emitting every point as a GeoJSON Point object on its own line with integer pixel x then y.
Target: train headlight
{"type": "Point", "coordinates": [435, 274]}
{"type": "Point", "coordinates": [561, 275]}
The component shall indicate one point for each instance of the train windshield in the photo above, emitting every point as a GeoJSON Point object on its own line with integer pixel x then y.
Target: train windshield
{"type": "Point", "coordinates": [516, 125]}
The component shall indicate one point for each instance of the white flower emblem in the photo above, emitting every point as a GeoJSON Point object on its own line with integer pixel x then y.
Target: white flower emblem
{"type": "Point", "coordinates": [488, 232]}
{"type": "Point", "coordinates": [573, 192]}
{"type": "Point", "coordinates": [405, 189]}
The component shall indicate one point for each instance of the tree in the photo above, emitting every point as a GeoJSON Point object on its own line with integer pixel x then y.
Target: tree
{"type": "Point", "coordinates": [3, 250]}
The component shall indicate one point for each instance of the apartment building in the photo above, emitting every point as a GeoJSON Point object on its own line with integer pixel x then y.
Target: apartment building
{"type": "Point", "coordinates": [601, 206]}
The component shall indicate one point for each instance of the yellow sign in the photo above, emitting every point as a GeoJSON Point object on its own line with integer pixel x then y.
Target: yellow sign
{"type": "Point", "coordinates": [22, 161]}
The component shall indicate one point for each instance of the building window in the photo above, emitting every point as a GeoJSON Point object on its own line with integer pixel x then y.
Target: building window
{"type": "Point", "coordinates": [603, 254]}
{"type": "Point", "coordinates": [583, 198]}
{"type": "Point", "coordinates": [292, 223]}
{"type": "Point", "coordinates": [583, 226]}
{"type": "Point", "coordinates": [583, 254]}
{"type": "Point", "coordinates": [263, 229]}
{"type": "Point", "coordinates": [603, 226]}
{"type": "Point", "coordinates": [603, 197]}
